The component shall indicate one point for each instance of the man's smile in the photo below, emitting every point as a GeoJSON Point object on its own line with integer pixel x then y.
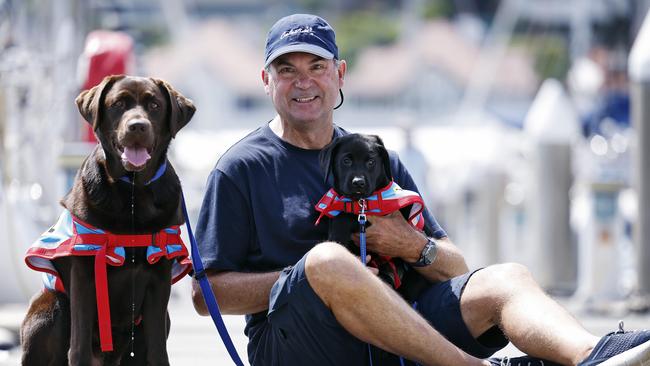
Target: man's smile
{"type": "Point", "coordinates": [305, 99]}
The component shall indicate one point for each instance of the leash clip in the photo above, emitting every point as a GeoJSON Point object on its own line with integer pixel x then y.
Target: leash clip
{"type": "Point", "coordinates": [362, 213]}
{"type": "Point", "coordinates": [362, 230]}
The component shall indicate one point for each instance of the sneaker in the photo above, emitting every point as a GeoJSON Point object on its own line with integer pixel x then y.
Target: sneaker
{"type": "Point", "coordinates": [621, 348]}
{"type": "Point", "coordinates": [521, 361]}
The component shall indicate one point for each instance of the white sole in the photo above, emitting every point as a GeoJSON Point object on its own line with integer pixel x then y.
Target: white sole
{"type": "Point", "coordinates": [637, 356]}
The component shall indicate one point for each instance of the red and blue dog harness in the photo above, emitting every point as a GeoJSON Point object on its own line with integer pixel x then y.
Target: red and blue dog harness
{"type": "Point", "coordinates": [71, 236]}
{"type": "Point", "coordinates": [382, 202]}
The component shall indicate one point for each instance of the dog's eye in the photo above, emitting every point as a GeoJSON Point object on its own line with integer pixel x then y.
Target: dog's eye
{"type": "Point", "coordinates": [347, 161]}
{"type": "Point", "coordinates": [153, 105]}
{"type": "Point", "coordinates": [119, 104]}
{"type": "Point", "coordinates": [371, 162]}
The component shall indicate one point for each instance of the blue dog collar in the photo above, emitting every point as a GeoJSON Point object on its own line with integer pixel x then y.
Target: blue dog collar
{"type": "Point", "coordinates": [161, 170]}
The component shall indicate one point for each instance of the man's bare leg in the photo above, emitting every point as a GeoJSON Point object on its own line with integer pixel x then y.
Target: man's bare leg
{"type": "Point", "coordinates": [374, 313]}
{"type": "Point", "coordinates": [507, 295]}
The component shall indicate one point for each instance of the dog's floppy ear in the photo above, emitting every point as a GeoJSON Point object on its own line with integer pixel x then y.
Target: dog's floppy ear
{"type": "Point", "coordinates": [326, 157]}
{"type": "Point", "coordinates": [383, 153]}
{"type": "Point", "coordinates": [181, 109]}
{"type": "Point", "coordinates": [91, 102]}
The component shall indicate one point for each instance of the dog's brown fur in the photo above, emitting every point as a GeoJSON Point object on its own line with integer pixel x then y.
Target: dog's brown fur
{"type": "Point", "coordinates": [60, 329]}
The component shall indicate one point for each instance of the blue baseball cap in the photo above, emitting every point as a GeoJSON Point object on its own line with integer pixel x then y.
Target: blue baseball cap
{"type": "Point", "coordinates": [301, 33]}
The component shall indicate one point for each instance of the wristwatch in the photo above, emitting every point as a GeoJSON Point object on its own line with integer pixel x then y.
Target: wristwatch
{"type": "Point", "coordinates": [428, 254]}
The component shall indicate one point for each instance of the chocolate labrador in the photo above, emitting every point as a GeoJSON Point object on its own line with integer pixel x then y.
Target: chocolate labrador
{"type": "Point", "coordinates": [115, 251]}
{"type": "Point", "coordinates": [360, 167]}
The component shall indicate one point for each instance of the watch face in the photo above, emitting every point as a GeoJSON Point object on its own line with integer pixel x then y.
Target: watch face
{"type": "Point", "coordinates": [429, 253]}
{"type": "Point", "coordinates": [427, 256]}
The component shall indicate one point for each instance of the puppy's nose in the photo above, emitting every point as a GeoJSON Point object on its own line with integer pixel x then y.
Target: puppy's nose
{"type": "Point", "coordinates": [358, 182]}
{"type": "Point", "coordinates": [138, 126]}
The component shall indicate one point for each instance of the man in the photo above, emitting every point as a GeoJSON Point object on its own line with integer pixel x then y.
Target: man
{"type": "Point", "coordinates": [310, 302]}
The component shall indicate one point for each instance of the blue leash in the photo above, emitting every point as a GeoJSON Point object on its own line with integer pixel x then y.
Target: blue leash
{"type": "Point", "coordinates": [362, 230]}
{"type": "Point", "coordinates": [208, 295]}
{"type": "Point", "coordinates": [362, 245]}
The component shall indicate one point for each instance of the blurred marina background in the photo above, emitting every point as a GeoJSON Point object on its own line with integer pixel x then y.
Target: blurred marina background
{"type": "Point", "coordinates": [522, 121]}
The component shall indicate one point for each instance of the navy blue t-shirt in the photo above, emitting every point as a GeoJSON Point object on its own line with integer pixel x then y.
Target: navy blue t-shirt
{"type": "Point", "coordinates": [258, 212]}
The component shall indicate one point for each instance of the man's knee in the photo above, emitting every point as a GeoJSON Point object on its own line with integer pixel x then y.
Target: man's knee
{"type": "Point", "coordinates": [330, 267]}
{"type": "Point", "coordinates": [503, 277]}
{"type": "Point", "coordinates": [327, 262]}
{"type": "Point", "coordinates": [489, 289]}
{"type": "Point", "coordinates": [510, 270]}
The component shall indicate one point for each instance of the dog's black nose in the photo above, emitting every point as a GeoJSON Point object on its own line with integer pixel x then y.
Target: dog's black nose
{"type": "Point", "coordinates": [138, 126]}
{"type": "Point", "coordinates": [358, 182]}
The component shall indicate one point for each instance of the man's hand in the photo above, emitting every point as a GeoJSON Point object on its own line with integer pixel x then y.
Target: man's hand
{"type": "Point", "coordinates": [393, 236]}
{"type": "Point", "coordinates": [236, 292]}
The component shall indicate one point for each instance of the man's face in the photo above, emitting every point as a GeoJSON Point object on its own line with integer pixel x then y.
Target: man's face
{"type": "Point", "coordinates": [304, 87]}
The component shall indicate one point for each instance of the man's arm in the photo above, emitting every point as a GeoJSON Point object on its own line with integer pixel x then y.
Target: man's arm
{"type": "Point", "coordinates": [392, 235]}
{"type": "Point", "coordinates": [236, 292]}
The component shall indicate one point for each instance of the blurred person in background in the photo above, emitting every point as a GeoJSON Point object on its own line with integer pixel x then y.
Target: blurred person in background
{"type": "Point", "coordinates": [610, 109]}
{"type": "Point", "coordinates": [311, 302]}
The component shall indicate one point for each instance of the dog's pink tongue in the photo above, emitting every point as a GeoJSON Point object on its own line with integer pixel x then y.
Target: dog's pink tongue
{"type": "Point", "coordinates": [136, 156]}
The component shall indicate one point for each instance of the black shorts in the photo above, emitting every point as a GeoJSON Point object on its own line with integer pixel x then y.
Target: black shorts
{"type": "Point", "coordinates": [301, 330]}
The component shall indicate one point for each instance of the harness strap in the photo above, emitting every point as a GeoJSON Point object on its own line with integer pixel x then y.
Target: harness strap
{"type": "Point", "coordinates": [381, 202]}
{"type": "Point", "coordinates": [103, 307]}
{"type": "Point", "coordinates": [381, 260]}
{"type": "Point", "coordinates": [112, 240]}
{"type": "Point", "coordinates": [109, 240]}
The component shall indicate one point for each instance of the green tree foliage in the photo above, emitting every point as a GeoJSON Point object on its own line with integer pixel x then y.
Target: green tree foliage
{"type": "Point", "coordinates": [357, 30]}
{"type": "Point", "coordinates": [550, 52]}
{"type": "Point", "coordinates": [432, 9]}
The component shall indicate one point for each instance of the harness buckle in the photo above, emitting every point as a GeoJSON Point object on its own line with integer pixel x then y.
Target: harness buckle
{"type": "Point", "coordinates": [160, 239]}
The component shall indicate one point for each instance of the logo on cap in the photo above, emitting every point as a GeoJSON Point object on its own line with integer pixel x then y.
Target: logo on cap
{"type": "Point", "coordinates": [295, 31]}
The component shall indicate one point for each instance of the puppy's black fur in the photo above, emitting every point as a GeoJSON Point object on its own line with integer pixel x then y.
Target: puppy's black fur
{"type": "Point", "coordinates": [61, 329]}
{"type": "Point", "coordinates": [360, 166]}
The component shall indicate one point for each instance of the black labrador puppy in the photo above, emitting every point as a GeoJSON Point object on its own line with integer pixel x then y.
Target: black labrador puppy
{"type": "Point", "coordinates": [125, 209]}
{"type": "Point", "coordinates": [361, 169]}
